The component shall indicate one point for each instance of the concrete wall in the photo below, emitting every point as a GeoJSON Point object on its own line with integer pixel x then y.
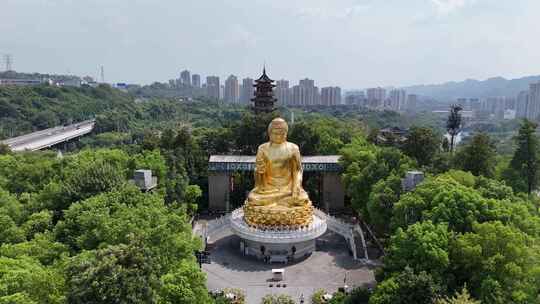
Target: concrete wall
{"type": "Point", "coordinates": [218, 191]}
{"type": "Point", "coordinates": [302, 248]}
{"type": "Point", "coordinates": [333, 192]}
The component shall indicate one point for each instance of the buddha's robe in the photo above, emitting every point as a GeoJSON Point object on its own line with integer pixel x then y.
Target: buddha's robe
{"type": "Point", "coordinates": [278, 177]}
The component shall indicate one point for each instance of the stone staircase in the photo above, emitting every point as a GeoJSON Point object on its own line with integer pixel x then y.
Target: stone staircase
{"type": "Point", "coordinates": [353, 233]}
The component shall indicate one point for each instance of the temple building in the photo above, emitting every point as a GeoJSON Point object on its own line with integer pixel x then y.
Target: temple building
{"type": "Point", "coordinates": [264, 100]}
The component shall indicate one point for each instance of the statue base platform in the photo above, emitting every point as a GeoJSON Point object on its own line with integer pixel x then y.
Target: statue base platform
{"type": "Point", "coordinates": [267, 217]}
{"type": "Point", "coordinates": [277, 244]}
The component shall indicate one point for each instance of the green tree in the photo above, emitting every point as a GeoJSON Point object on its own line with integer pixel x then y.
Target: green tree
{"type": "Point", "coordinates": [306, 137]}
{"type": "Point", "coordinates": [443, 200]}
{"type": "Point", "coordinates": [423, 247]}
{"type": "Point", "coordinates": [277, 299]}
{"type": "Point", "coordinates": [317, 296]}
{"type": "Point", "coordinates": [445, 144]}
{"type": "Point", "coordinates": [17, 298]}
{"type": "Point", "coordinates": [215, 140]}
{"type": "Point", "coordinates": [338, 298]}
{"type": "Point", "coordinates": [365, 164]}
{"type": "Point", "coordinates": [45, 119]}
{"type": "Point", "coordinates": [151, 160]}
{"type": "Point", "coordinates": [421, 144]}
{"type": "Point", "coordinates": [499, 263]}
{"type": "Point", "coordinates": [239, 296]}
{"type": "Point", "coordinates": [27, 172]}
{"type": "Point", "coordinates": [107, 140]}
{"type": "Point", "coordinates": [10, 232]}
{"type": "Point", "coordinates": [10, 206]}
{"type": "Point", "coordinates": [359, 295]}
{"type": "Point", "coordinates": [120, 216]}
{"type": "Point", "coordinates": [151, 140]}
{"type": "Point", "coordinates": [478, 156]}
{"type": "Point", "coordinates": [524, 175]}
{"type": "Point", "coordinates": [92, 179]}
{"type": "Point", "coordinates": [4, 149]}
{"type": "Point", "coordinates": [43, 248]}
{"type": "Point", "coordinates": [25, 279]}
{"type": "Point", "coordinates": [441, 163]}
{"type": "Point", "coordinates": [381, 202]}
{"type": "Point", "coordinates": [115, 274]}
{"type": "Point", "coordinates": [184, 285]}
{"type": "Point", "coordinates": [453, 124]}
{"type": "Point", "coordinates": [405, 288]}
{"type": "Point", "coordinates": [251, 131]}
{"type": "Point", "coordinates": [115, 120]}
{"type": "Point", "coordinates": [37, 222]}
{"type": "Point", "coordinates": [462, 297]}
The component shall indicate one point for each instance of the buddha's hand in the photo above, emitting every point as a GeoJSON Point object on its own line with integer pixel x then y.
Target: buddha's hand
{"type": "Point", "coordinates": [295, 193]}
{"type": "Point", "coordinates": [260, 166]}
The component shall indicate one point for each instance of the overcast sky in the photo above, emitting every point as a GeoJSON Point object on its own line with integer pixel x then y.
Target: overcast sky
{"type": "Point", "coordinates": [350, 43]}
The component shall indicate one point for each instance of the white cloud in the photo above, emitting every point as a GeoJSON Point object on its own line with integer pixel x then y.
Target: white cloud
{"type": "Point", "coordinates": [335, 12]}
{"type": "Point", "coordinates": [445, 7]}
{"type": "Point", "coordinates": [235, 35]}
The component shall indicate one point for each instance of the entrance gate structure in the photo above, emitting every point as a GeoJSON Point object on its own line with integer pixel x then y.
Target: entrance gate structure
{"type": "Point", "coordinates": [220, 168]}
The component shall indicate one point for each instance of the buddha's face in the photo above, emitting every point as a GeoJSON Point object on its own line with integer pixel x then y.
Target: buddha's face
{"type": "Point", "coordinates": [278, 135]}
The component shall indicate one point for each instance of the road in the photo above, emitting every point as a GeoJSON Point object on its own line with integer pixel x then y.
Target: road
{"type": "Point", "coordinates": [328, 268]}
{"type": "Point", "coordinates": [49, 137]}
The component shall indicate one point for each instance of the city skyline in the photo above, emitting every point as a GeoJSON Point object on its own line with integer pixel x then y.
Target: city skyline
{"type": "Point", "coordinates": [437, 39]}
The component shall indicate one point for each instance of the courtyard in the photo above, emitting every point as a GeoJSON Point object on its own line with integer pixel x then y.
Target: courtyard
{"type": "Point", "coordinates": [327, 268]}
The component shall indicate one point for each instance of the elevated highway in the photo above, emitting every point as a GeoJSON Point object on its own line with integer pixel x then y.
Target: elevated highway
{"type": "Point", "coordinates": [49, 137]}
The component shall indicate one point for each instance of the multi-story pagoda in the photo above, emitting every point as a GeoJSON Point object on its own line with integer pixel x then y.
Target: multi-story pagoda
{"type": "Point", "coordinates": [264, 96]}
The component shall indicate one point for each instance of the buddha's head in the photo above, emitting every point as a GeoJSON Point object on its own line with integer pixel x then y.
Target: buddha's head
{"type": "Point", "coordinates": [277, 131]}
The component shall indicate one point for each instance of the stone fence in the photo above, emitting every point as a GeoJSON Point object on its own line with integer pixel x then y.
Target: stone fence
{"type": "Point", "coordinates": [235, 218]}
{"type": "Point", "coordinates": [340, 227]}
{"type": "Point", "coordinates": [276, 235]}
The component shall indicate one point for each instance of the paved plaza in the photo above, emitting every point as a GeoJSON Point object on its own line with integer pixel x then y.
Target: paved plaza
{"type": "Point", "coordinates": [326, 268]}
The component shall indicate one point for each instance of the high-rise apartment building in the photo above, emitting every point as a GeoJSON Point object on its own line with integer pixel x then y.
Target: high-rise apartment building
{"type": "Point", "coordinates": [376, 97]}
{"type": "Point", "coordinates": [464, 103]}
{"type": "Point", "coordinates": [357, 98]}
{"type": "Point", "coordinates": [533, 107]}
{"type": "Point", "coordinates": [495, 106]}
{"type": "Point", "coordinates": [499, 107]}
{"type": "Point", "coordinates": [475, 106]}
{"type": "Point", "coordinates": [185, 78]}
{"type": "Point", "coordinates": [212, 87]}
{"type": "Point", "coordinates": [398, 99]}
{"type": "Point", "coordinates": [522, 104]}
{"type": "Point", "coordinates": [412, 102]}
{"type": "Point", "coordinates": [305, 93]}
{"type": "Point", "coordinates": [283, 92]}
{"type": "Point", "coordinates": [330, 96]}
{"type": "Point", "coordinates": [246, 93]}
{"type": "Point", "coordinates": [196, 80]}
{"type": "Point", "coordinates": [298, 93]}
{"type": "Point", "coordinates": [221, 91]}
{"type": "Point", "coordinates": [510, 103]}
{"type": "Point", "coordinates": [232, 91]}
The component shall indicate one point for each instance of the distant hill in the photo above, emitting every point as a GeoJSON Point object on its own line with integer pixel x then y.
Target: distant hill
{"type": "Point", "coordinates": [38, 76]}
{"type": "Point", "coordinates": [24, 109]}
{"type": "Point", "coordinates": [470, 88]}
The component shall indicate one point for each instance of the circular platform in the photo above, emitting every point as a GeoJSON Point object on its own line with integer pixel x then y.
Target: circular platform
{"type": "Point", "coordinates": [276, 244]}
{"type": "Point", "coordinates": [283, 235]}
{"type": "Point", "coordinates": [275, 215]}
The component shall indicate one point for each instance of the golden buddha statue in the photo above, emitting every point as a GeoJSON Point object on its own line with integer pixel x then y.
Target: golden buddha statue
{"type": "Point", "coordinates": [278, 199]}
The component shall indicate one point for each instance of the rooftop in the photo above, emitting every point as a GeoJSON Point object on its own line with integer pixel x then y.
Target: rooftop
{"type": "Point", "coordinates": [327, 159]}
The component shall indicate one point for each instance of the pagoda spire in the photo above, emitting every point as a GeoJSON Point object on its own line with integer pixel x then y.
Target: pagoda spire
{"type": "Point", "coordinates": [264, 96]}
